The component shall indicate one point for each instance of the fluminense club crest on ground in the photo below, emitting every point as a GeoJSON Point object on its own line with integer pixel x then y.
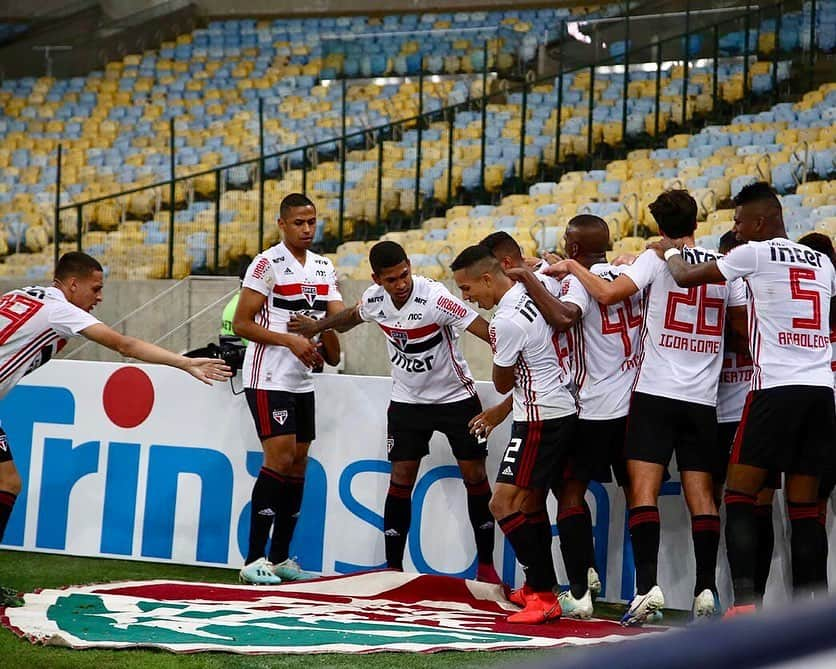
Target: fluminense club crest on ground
{"type": "Point", "coordinates": [363, 613]}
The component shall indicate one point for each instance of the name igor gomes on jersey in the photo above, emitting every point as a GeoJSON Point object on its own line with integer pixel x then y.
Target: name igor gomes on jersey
{"type": "Point", "coordinates": [422, 342]}
{"type": "Point", "coordinates": [683, 329]}
{"type": "Point", "coordinates": [35, 323]}
{"type": "Point", "coordinates": [290, 288]}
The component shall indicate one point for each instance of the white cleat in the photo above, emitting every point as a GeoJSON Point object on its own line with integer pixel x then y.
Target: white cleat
{"type": "Point", "coordinates": [643, 606]}
{"type": "Point", "coordinates": [575, 608]}
{"type": "Point", "coordinates": [705, 606]}
{"type": "Point", "coordinates": [259, 572]}
{"type": "Point", "coordinates": [593, 582]}
{"type": "Point", "coordinates": [289, 570]}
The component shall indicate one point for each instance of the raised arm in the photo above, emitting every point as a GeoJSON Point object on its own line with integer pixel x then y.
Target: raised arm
{"type": "Point", "coordinates": [560, 315]}
{"type": "Point", "coordinates": [601, 290]}
{"type": "Point", "coordinates": [203, 369]}
{"type": "Point", "coordinates": [685, 274]}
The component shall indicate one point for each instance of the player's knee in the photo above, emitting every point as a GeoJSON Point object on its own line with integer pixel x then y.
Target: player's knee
{"type": "Point", "coordinates": [300, 464]}
{"type": "Point", "coordinates": [503, 503]}
{"type": "Point", "coordinates": [404, 472]}
{"type": "Point", "coordinates": [10, 481]}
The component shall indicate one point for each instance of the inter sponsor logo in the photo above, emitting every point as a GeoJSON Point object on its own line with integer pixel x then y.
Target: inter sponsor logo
{"type": "Point", "coordinates": [788, 255]}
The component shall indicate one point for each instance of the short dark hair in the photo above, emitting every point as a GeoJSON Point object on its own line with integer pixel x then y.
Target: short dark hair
{"type": "Point", "coordinates": [78, 264]}
{"type": "Point", "coordinates": [819, 242]}
{"type": "Point", "coordinates": [478, 254]}
{"type": "Point", "coordinates": [760, 191]}
{"type": "Point", "coordinates": [294, 200]}
{"type": "Point", "coordinates": [386, 254]}
{"type": "Point", "coordinates": [676, 213]}
{"type": "Point", "coordinates": [729, 241]}
{"type": "Point", "coordinates": [503, 243]}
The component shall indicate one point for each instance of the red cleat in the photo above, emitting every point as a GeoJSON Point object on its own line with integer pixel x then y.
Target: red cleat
{"type": "Point", "coordinates": [487, 574]}
{"type": "Point", "coordinates": [520, 595]}
{"type": "Point", "coordinates": [740, 610]}
{"type": "Point", "coordinates": [540, 607]}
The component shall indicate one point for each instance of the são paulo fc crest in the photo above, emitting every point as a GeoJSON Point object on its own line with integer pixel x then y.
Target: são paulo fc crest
{"type": "Point", "coordinates": [400, 338]}
{"type": "Point", "coordinates": [309, 293]}
{"type": "Point", "coordinates": [280, 416]}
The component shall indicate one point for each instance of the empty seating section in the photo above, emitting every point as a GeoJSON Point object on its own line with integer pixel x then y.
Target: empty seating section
{"type": "Point", "coordinates": [791, 145]}
{"type": "Point", "coordinates": [114, 129]}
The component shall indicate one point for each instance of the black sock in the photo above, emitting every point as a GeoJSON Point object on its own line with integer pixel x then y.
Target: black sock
{"type": "Point", "coordinates": [809, 548]}
{"type": "Point", "coordinates": [527, 543]}
{"type": "Point", "coordinates": [822, 578]}
{"type": "Point", "coordinates": [574, 538]}
{"type": "Point", "coordinates": [7, 501]}
{"type": "Point", "coordinates": [705, 531]}
{"type": "Point", "coordinates": [765, 543]}
{"type": "Point", "coordinates": [265, 504]}
{"type": "Point", "coordinates": [397, 515]}
{"type": "Point", "coordinates": [286, 516]}
{"type": "Point", "coordinates": [481, 519]}
{"type": "Point", "coordinates": [542, 527]}
{"type": "Point", "coordinates": [741, 544]}
{"type": "Point", "coordinates": [644, 533]}
{"type": "Point", "coordinates": [590, 545]}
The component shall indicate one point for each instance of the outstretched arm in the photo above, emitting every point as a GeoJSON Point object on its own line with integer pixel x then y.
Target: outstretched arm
{"type": "Point", "coordinates": [341, 321]}
{"type": "Point", "coordinates": [601, 290]}
{"type": "Point", "coordinates": [685, 274]}
{"type": "Point", "coordinates": [203, 369]}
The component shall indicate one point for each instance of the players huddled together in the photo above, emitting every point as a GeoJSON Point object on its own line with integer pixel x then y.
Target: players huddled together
{"type": "Point", "coordinates": [721, 358]}
{"type": "Point", "coordinates": [724, 359]}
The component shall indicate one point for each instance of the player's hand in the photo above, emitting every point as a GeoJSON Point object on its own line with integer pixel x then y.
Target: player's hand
{"type": "Point", "coordinates": [483, 424]}
{"type": "Point", "coordinates": [624, 259]}
{"type": "Point", "coordinates": [207, 370]}
{"type": "Point", "coordinates": [559, 270]}
{"type": "Point", "coordinates": [552, 258]}
{"type": "Point", "coordinates": [302, 325]}
{"type": "Point", "coordinates": [661, 245]}
{"type": "Point", "coordinates": [521, 274]}
{"type": "Point", "coordinates": [304, 349]}
{"type": "Point", "coordinates": [532, 263]}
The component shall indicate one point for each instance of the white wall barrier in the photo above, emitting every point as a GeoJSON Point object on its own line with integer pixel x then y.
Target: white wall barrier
{"type": "Point", "coordinates": [143, 462]}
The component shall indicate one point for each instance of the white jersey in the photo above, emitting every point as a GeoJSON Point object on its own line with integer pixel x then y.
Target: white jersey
{"type": "Point", "coordinates": [683, 329]}
{"type": "Point", "coordinates": [735, 381]}
{"type": "Point", "coordinates": [607, 348]}
{"type": "Point", "coordinates": [565, 340]}
{"type": "Point", "coordinates": [521, 338]}
{"type": "Point", "coordinates": [35, 323]}
{"type": "Point", "coordinates": [421, 340]}
{"type": "Point", "coordinates": [790, 287]}
{"type": "Point", "coordinates": [290, 288]}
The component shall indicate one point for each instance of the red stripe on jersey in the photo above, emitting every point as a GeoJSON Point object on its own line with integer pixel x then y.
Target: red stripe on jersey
{"type": "Point", "coordinates": [734, 457]}
{"type": "Point", "coordinates": [23, 356]}
{"type": "Point", "coordinates": [467, 382]}
{"type": "Point", "coordinates": [413, 333]}
{"type": "Point", "coordinates": [295, 289]}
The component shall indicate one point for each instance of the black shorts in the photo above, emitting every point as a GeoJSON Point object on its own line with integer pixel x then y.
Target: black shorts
{"type": "Point", "coordinates": [789, 428]}
{"type": "Point", "coordinates": [658, 426]}
{"type": "Point", "coordinates": [277, 413]}
{"type": "Point", "coordinates": [5, 448]}
{"type": "Point", "coordinates": [725, 440]}
{"type": "Point", "coordinates": [410, 428]}
{"type": "Point", "coordinates": [598, 451]}
{"type": "Point", "coordinates": [536, 449]}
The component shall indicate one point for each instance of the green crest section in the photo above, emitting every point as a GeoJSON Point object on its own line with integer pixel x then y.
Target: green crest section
{"type": "Point", "coordinates": [87, 617]}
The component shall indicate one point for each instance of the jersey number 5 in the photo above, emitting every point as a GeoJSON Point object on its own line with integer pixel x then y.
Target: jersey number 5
{"type": "Point", "coordinates": [695, 297]}
{"type": "Point", "coordinates": [16, 310]}
{"type": "Point", "coordinates": [812, 296]}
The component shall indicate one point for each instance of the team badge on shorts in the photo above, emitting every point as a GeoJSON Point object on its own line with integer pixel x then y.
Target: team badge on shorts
{"type": "Point", "coordinates": [4, 443]}
{"type": "Point", "coordinates": [390, 444]}
{"type": "Point", "coordinates": [309, 293]}
{"type": "Point", "coordinates": [280, 416]}
{"type": "Point", "coordinates": [400, 337]}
